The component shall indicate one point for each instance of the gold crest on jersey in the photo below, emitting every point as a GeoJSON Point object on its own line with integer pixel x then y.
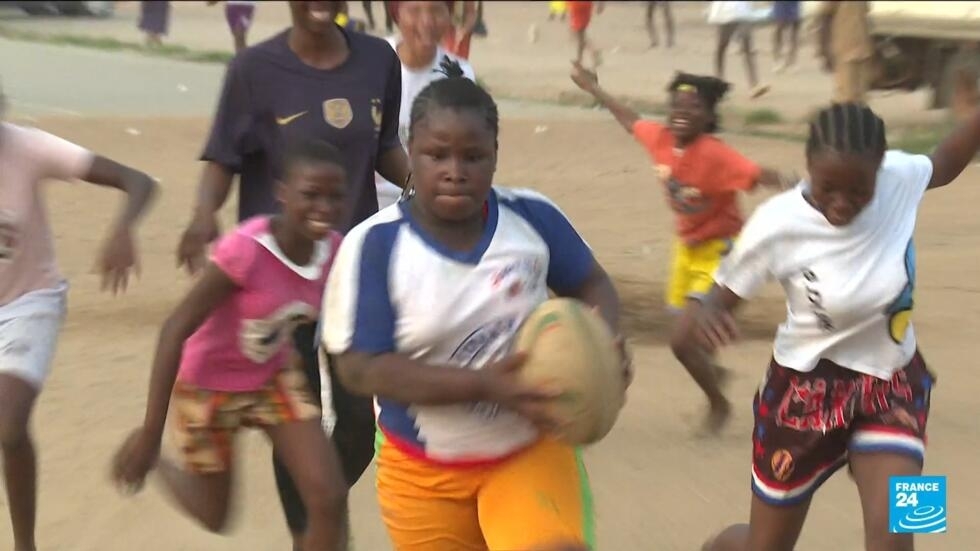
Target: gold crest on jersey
{"type": "Point", "coordinates": [338, 112]}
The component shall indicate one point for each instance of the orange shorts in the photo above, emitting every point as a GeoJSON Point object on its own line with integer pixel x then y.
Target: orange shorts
{"type": "Point", "coordinates": [579, 15]}
{"type": "Point", "coordinates": [205, 421]}
{"type": "Point", "coordinates": [537, 498]}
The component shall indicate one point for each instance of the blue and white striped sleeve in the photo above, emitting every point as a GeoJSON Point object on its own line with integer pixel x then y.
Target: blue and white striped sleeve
{"type": "Point", "coordinates": [570, 259]}
{"type": "Point", "coordinates": [357, 312]}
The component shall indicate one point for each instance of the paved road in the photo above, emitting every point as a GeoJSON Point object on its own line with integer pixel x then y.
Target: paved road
{"type": "Point", "coordinates": [41, 80]}
{"type": "Point", "coordinates": [45, 80]}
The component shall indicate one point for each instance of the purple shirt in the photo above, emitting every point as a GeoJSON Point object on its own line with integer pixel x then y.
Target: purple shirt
{"type": "Point", "coordinates": [269, 96]}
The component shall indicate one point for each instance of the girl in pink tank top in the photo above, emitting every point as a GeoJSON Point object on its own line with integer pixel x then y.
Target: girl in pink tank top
{"type": "Point", "coordinates": [224, 357]}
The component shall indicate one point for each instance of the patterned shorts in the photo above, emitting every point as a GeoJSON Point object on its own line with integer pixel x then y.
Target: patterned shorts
{"type": "Point", "coordinates": [206, 420]}
{"type": "Point", "coordinates": [807, 423]}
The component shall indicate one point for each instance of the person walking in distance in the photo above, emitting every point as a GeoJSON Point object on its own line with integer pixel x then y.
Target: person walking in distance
{"type": "Point", "coordinates": [845, 45]}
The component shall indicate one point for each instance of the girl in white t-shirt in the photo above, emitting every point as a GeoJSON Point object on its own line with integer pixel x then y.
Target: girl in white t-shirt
{"type": "Point", "coordinates": [421, 308]}
{"type": "Point", "coordinates": [846, 384]}
{"type": "Point", "coordinates": [33, 291]}
{"type": "Point", "coordinates": [421, 26]}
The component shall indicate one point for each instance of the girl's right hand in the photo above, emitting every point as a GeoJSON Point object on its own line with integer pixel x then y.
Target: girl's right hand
{"type": "Point", "coordinates": [202, 230]}
{"type": "Point", "coordinates": [583, 78]}
{"type": "Point", "coordinates": [135, 459]}
{"type": "Point", "coordinates": [714, 327]}
{"type": "Point", "coordinates": [501, 384]}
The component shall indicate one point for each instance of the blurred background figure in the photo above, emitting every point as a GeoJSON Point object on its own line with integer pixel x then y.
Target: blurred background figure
{"type": "Point", "coordinates": [557, 10]}
{"type": "Point", "coordinates": [786, 15]}
{"type": "Point", "coordinates": [846, 48]}
{"type": "Point", "coordinates": [239, 14]}
{"type": "Point", "coordinates": [421, 26]}
{"type": "Point", "coordinates": [369, 13]}
{"type": "Point", "coordinates": [154, 21]}
{"type": "Point", "coordinates": [652, 24]}
{"type": "Point", "coordinates": [733, 19]}
{"type": "Point", "coordinates": [457, 39]}
{"type": "Point", "coordinates": [579, 17]}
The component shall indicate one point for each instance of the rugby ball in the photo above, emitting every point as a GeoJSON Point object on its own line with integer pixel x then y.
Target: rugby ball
{"type": "Point", "coordinates": [570, 347]}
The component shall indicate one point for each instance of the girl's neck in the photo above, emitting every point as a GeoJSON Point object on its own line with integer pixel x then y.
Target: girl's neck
{"type": "Point", "coordinates": [297, 247]}
{"type": "Point", "coordinates": [459, 236]}
{"type": "Point", "coordinates": [321, 51]}
{"type": "Point", "coordinates": [415, 58]}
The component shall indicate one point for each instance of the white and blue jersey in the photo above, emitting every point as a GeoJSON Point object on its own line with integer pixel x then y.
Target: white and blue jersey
{"type": "Point", "coordinates": [394, 289]}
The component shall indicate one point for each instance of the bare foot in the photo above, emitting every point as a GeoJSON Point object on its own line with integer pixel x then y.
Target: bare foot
{"type": "Point", "coordinates": [718, 416]}
{"type": "Point", "coordinates": [723, 375]}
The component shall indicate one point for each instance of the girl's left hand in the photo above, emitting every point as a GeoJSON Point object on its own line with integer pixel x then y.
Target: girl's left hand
{"type": "Point", "coordinates": [134, 460]}
{"type": "Point", "coordinates": [625, 353]}
{"type": "Point", "coordinates": [117, 259]}
{"type": "Point", "coordinates": [715, 327]}
{"type": "Point", "coordinates": [626, 359]}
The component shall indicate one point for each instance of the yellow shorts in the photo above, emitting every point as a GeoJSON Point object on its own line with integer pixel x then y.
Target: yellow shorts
{"type": "Point", "coordinates": [693, 270]}
{"type": "Point", "coordinates": [538, 498]}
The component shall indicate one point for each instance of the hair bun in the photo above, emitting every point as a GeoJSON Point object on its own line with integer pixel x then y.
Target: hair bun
{"type": "Point", "coordinates": [451, 68]}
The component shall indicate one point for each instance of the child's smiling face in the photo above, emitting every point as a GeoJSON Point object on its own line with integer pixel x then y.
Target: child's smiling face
{"type": "Point", "coordinates": [688, 116]}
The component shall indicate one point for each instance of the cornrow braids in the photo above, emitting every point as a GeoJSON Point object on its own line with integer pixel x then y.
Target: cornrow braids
{"type": "Point", "coordinates": [847, 128]}
{"type": "Point", "coordinates": [711, 90]}
{"type": "Point", "coordinates": [454, 92]}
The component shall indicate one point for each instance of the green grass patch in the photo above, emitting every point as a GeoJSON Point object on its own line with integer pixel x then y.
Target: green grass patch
{"type": "Point", "coordinates": [763, 117]}
{"type": "Point", "coordinates": [919, 139]}
{"type": "Point", "coordinates": [177, 52]}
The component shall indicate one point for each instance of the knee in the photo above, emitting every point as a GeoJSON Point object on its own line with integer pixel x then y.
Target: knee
{"type": "Point", "coordinates": [215, 522]}
{"type": "Point", "coordinates": [13, 435]}
{"type": "Point", "coordinates": [324, 500]}
{"type": "Point", "coordinates": [878, 538]}
{"type": "Point", "coordinates": [681, 344]}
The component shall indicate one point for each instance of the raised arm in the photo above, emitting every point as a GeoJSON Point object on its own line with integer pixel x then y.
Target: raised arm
{"type": "Point", "coordinates": [956, 151]}
{"type": "Point", "coordinates": [588, 81]}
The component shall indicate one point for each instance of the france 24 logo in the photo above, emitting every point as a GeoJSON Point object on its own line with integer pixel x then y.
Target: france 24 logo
{"type": "Point", "coordinates": [917, 504]}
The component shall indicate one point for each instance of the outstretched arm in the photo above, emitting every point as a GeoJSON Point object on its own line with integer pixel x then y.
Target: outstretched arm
{"type": "Point", "coordinates": [956, 151]}
{"type": "Point", "coordinates": [118, 254]}
{"type": "Point", "coordinates": [588, 81]}
{"type": "Point", "coordinates": [139, 453]}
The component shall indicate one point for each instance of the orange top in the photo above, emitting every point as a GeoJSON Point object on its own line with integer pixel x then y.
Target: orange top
{"type": "Point", "coordinates": [701, 181]}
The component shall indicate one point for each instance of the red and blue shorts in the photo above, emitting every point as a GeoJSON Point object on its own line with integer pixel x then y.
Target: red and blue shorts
{"type": "Point", "coordinates": [806, 424]}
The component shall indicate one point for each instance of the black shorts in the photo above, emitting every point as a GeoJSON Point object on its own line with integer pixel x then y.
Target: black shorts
{"type": "Point", "coordinates": [353, 434]}
{"type": "Point", "coordinates": [807, 423]}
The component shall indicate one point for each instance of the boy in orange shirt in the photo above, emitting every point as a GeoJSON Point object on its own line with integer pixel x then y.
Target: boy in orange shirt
{"type": "Point", "coordinates": [702, 177]}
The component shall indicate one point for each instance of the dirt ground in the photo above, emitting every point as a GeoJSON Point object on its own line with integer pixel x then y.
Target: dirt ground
{"type": "Point", "coordinates": [657, 486]}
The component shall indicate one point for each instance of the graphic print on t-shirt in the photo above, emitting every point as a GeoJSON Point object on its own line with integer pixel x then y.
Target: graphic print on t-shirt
{"type": "Point", "coordinates": [8, 236]}
{"type": "Point", "coordinates": [684, 199]}
{"type": "Point", "coordinates": [900, 311]}
{"type": "Point", "coordinates": [262, 338]}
